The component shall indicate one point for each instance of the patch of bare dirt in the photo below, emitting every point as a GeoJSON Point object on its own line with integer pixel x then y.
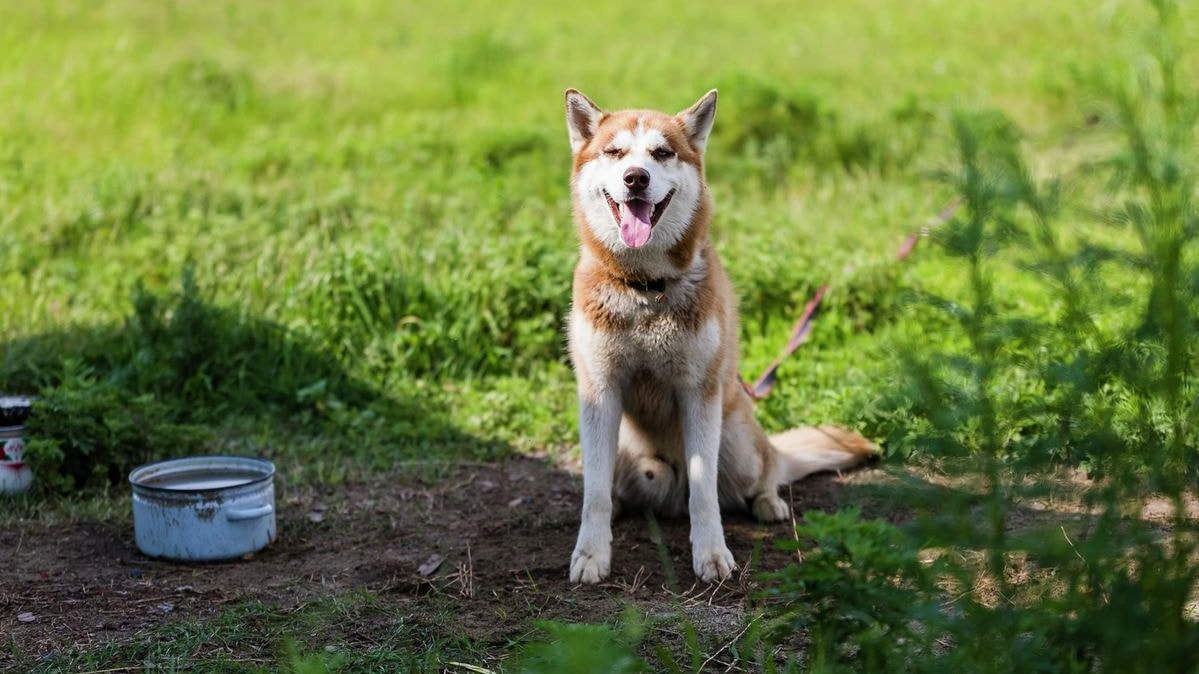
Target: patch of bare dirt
{"type": "Point", "coordinates": [496, 537]}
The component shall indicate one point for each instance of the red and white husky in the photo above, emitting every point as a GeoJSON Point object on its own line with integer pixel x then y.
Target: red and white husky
{"type": "Point", "coordinates": [664, 421]}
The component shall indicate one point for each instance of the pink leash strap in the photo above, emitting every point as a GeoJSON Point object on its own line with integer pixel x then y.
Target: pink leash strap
{"type": "Point", "coordinates": [803, 328]}
{"type": "Point", "coordinates": [799, 335]}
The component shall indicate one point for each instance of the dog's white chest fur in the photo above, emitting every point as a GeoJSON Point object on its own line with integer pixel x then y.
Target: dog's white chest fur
{"type": "Point", "coordinates": [657, 342]}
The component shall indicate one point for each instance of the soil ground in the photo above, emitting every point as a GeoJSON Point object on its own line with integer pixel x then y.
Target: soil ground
{"type": "Point", "coordinates": [505, 531]}
{"type": "Point", "coordinates": [474, 552]}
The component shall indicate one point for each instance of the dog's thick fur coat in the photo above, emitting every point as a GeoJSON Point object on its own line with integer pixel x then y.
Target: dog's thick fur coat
{"type": "Point", "coordinates": [664, 421]}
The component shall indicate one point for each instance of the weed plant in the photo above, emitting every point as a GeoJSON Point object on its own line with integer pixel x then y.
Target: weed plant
{"type": "Point", "coordinates": [964, 589]}
{"type": "Point", "coordinates": [1027, 397]}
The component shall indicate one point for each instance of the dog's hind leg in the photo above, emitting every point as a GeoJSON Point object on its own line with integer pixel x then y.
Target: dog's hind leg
{"type": "Point", "coordinates": [644, 479]}
{"type": "Point", "coordinates": [749, 466]}
{"type": "Point", "coordinates": [799, 452]}
{"type": "Point", "coordinates": [768, 506]}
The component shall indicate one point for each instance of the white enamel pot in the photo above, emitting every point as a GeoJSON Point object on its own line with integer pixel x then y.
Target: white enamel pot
{"type": "Point", "coordinates": [204, 508]}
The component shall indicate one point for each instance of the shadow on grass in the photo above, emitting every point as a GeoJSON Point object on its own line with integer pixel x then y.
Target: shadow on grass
{"type": "Point", "coordinates": [181, 375]}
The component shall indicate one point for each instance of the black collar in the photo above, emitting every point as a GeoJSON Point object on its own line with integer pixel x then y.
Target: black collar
{"type": "Point", "coordinates": [657, 285]}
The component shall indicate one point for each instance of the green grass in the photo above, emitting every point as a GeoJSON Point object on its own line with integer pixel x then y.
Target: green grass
{"type": "Point", "coordinates": [339, 234]}
{"type": "Point", "coordinates": [255, 637]}
{"type": "Point", "coordinates": [389, 189]}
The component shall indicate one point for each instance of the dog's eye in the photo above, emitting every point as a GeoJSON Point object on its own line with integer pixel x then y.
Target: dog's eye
{"type": "Point", "coordinates": [613, 152]}
{"type": "Point", "coordinates": [663, 153]}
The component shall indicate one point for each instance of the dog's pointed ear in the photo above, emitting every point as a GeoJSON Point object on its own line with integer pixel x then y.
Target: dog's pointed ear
{"type": "Point", "coordinates": [582, 118]}
{"type": "Point", "coordinates": [697, 120]}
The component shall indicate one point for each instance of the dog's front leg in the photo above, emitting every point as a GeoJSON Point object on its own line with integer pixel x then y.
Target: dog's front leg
{"type": "Point", "coordinates": [701, 417]}
{"type": "Point", "coordinates": [599, 427]}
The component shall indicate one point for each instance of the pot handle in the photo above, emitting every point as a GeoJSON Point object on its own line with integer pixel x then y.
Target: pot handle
{"type": "Point", "coordinates": [250, 513]}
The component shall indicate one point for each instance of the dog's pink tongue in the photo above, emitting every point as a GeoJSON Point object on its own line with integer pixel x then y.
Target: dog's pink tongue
{"type": "Point", "coordinates": [635, 227]}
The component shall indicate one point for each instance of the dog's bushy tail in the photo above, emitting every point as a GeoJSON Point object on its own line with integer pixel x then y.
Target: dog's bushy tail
{"type": "Point", "coordinates": [812, 449]}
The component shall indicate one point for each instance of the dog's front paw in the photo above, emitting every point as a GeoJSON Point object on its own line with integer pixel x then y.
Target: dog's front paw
{"type": "Point", "coordinates": [714, 563]}
{"type": "Point", "coordinates": [589, 567]}
{"type": "Point", "coordinates": [770, 508]}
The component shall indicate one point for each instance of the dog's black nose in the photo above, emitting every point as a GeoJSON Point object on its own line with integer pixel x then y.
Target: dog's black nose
{"type": "Point", "coordinates": [636, 179]}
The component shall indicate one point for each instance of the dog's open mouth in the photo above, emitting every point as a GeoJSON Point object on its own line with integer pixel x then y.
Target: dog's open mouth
{"type": "Point", "coordinates": [637, 218]}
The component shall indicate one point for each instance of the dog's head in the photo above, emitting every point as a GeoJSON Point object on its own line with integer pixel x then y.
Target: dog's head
{"type": "Point", "coordinates": [638, 174]}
